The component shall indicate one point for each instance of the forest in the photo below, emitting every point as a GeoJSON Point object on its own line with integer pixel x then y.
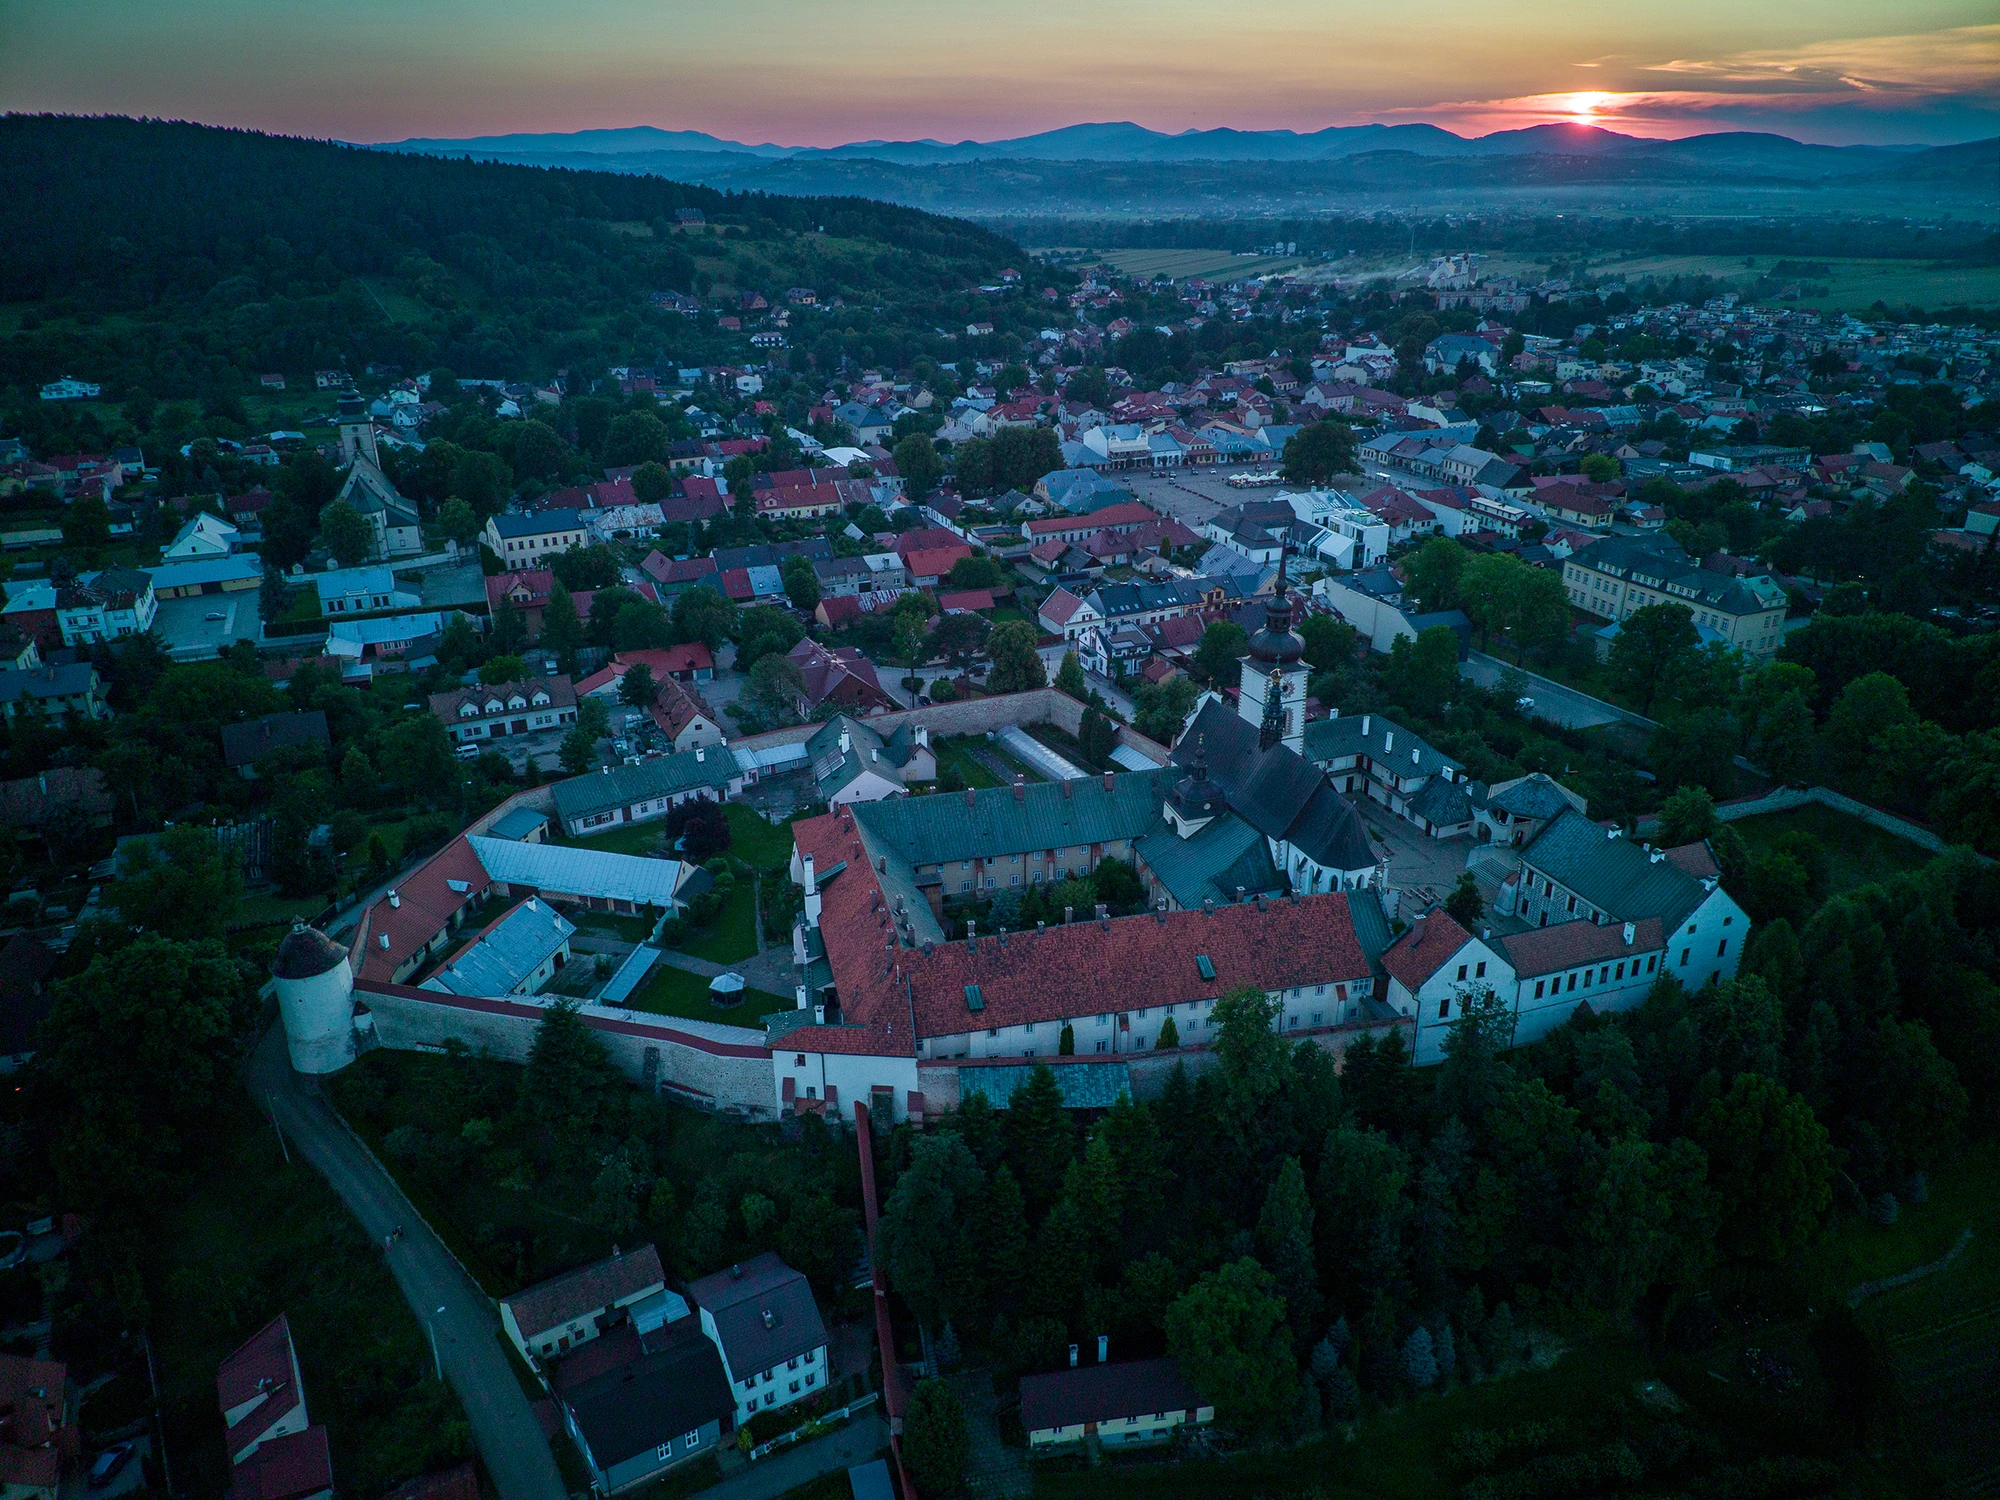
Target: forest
{"type": "Point", "coordinates": [259, 253]}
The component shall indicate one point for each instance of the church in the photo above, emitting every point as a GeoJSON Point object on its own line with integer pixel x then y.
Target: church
{"type": "Point", "coordinates": [393, 526]}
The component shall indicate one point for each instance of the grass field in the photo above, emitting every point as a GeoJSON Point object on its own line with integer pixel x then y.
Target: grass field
{"type": "Point", "coordinates": [1941, 1336]}
{"type": "Point", "coordinates": [757, 842]}
{"type": "Point", "coordinates": [1853, 285]}
{"type": "Point", "coordinates": [1856, 852]}
{"type": "Point", "coordinates": [675, 992]}
{"type": "Point", "coordinates": [733, 937]}
{"type": "Point", "coordinates": [1220, 265]}
{"type": "Point", "coordinates": [956, 750]}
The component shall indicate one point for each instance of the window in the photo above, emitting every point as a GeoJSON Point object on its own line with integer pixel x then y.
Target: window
{"type": "Point", "coordinates": [1013, 880]}
{"type": "Point", "coordinates": [1722, 948]}
{"type": "Point", "coordinates": [1540, 985]}
{"type": "Point", "coordinates": [1572, 906]}
{"type": "Point", "coordinates": [1651, 960]}
{"type": "Point", "coordinates": [1461, 972]}
{"type": "Point", "coordinates": [1480, 972]}
{"type": "Point", "coordinates": [1104, 1020]}
{"type": "Point", "coordinates": [1586, 979]}
{"type": "Point", "coordinates": [1444, 1005]}
{"type": "Point", "coordinates": [809, 1381]}
{"type": "Point", "coordinates": [664, 1452]}
{"type": "Point", "coordinates": [965, 885]}
{"type": "Point", "coordinates": [1572, 981]}
{"type": "Point", "coordinates": [1684, 958]}
{"type": "Point", "coordinates": [771, 1399]}
{"type": "Point", "coordinates": [1621, 972]}
{"type": "Point", "coordinates": [795, 1387]}
{"type": "Point", "coordinates": [1100, 1046]}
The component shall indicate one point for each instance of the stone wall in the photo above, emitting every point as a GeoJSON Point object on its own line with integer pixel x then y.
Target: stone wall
{"type": "Point", "coordinates": [1785, 798]}
{"type": "Point", "coordinates": [730, 1076]}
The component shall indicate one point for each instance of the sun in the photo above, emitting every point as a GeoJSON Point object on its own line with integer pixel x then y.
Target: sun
{"type": "Point", "coordinates": [1583, 108]}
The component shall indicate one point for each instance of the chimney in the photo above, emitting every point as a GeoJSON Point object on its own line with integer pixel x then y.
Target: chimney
{"type": "Point", "coordinates": [812, 881]}
{"type": "Point", "coordinates": [1160, 911]}
{"type": "Point", "coordinates": [971, 936]}
{"type": "Point", "coordinates": [1103, 916]}
{"type": "Point", "coordinates": [845, 743]}
{"type": "Point", "coordinates": [770, 1318]}
{"type": "Point", "coordinates": [1067, 784]}
{"type": "Point", "coordinates": [385, 942]}
{"type": "Point", "coordinates": [736, 1271]}
{"type": "Point", "coordinates": [1260, 901]}
{"type": "Point", "coordinates": [1631, 931]}
{"type": "Point", "coordinates": [1103, 1347]}
{"type": "Point", "coordinates": [1072, 1356]}
{"type": "Point", "coordinates": [1040, 927]}
{"type": "Point", "coordinates": [968, 796]}
{"type": "Point", "coordinates": [1364, 724]}
{"type": "Point", "coordinates": [1413, 759]}
{"type": "Point", "coordinates": [1020, 787]}
{"type": "Point", "coordinates": [1107, 781]}
{"type": "Point", "coordinates": [800, 992]}
{"type": "Point", "coordinates": [819, 1015]}
{"type": "Point", "coordinates": [1208, 906]}
{"type": "Point", "coordinates": [1003, 934]}
{"type": "Point", "coordinates": [1333, 713]}
{"type": "Point", "coordinates": [700, 754]}
{"type": "Point", "coordinates": [1389, 742]}
{"type": "Point", "coordinates": [395, 901]}
{"type": "Point", "coordinates": [874, 754]}
{"type": "Point", "coordinates": [1068, 913]}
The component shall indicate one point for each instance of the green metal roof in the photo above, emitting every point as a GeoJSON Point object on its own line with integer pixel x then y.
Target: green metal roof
{"type": "Point", "coordinates": [1613, 874]}
{"type": "Point", "coordinates": [620, 786]}
{"type": "Point", "coordinates": [1091, 1085]}
{"type": "Point", "coordinates": [1210, 864]}
{"type": "Point", "coordinates": [926, 830]}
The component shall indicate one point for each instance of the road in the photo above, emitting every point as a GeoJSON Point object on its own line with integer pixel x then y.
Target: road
{"type": "Point", "coordinates": [1554, 702]}
{"type": "Point", "coordinates": [504, 1428]}
{"type": "Point", "coordinates": [768, 1478]}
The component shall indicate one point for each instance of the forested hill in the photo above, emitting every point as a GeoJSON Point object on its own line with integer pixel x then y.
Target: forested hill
{"type": "Point", "coordinates": [282, 254]}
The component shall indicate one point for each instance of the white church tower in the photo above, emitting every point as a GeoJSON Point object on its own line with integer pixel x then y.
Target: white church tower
{"type": "Point", "coordinates": [1272, 694]}
{"type": "Point", "coordinates": [357, 429]}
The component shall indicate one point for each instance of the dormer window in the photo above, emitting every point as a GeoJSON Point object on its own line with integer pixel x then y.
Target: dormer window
{"type": "Point", "coordinates": [468, 710]}
{"type": "Point", "coordinates": [493, 705]}
{"type": "Point", "coordinates": [517, 701]}
{"type": "Point", "coordinates": [541, 700]}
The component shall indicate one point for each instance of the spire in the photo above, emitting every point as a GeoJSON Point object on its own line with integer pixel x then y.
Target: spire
{"type": "Point", "coordinates": [1275, 642]}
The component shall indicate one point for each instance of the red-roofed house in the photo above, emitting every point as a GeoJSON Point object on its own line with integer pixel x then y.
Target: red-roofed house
{"type": "Point", "coordinates": [260, 1391]}
{"type": "Point", "coordinates": [1126, 516]}
{"type": "Point", "coordinates": [526, 591]}
{"type": "Point", "coordinates": [1063, 614]}
{"type": "Point", "coordinates": [928, 567]}
{"type": "Point", "coordinates": [38, 1431]}
{"type": "Point", "coordinates": [841, 676]}
{"type": "Point", "coordinates": [1434, 969]}
{"type": "Point", "coordinates": [295, 1467]}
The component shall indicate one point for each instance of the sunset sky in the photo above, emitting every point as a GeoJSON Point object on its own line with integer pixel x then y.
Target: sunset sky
{"type": "Point", "coordinates": [805, 72]}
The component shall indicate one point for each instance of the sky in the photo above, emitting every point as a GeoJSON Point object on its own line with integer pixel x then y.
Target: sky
{"type": "Point", "coordinates": [814, 73]}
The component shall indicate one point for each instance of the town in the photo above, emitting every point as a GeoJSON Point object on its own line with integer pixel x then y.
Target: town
{"type": "Point", "coordinates": [1199, 864]}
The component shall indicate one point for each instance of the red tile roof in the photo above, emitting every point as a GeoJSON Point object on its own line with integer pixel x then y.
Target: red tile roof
{"type": "Point", "coordinates": [1427, 947]}
{"type": "Point", "coordinates": [285, 1468]}
{"type": "Point", "coordinates": [35, 1434]}
{"type": "Point", "coordinates": [263, 1363]}
{"type": "Point", "coordinates": [934, 562]}
{"type": "Point", "coordinates": [584, 1290]}
{"type": "Point", "coordinates": [1695, 859]}
{"type": "Point", "coordinates": [1103, 1393]}
{"type": "Point", "coordinates": [425, 901]}
{"type": "Point", "coordinates": [1547, 950]}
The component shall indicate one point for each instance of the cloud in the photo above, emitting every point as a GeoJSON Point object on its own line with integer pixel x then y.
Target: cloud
{"type": "Point", "coordinates": [1861, 88]}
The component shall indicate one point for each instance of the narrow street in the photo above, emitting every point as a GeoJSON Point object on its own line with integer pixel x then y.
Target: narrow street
{"type": "Point", "coordinates": [456, 1312]}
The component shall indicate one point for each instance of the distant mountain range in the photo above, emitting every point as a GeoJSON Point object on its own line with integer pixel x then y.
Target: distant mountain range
{"type": "Point", "coordinates": [1120, 167]}
{"type": "Point", "coordinates": [1124, 141]}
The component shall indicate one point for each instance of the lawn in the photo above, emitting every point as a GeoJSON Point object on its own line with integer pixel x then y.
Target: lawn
{"type": "Point", "coordinates": [733, 935]}
{"type": "Point", "coordinates": [1856, 852]}
{"type": "Point", "coordinates": [675, 992]}
{"type": "Point", "coordinates": [1964, 1195]}
{"type": "Point", "coordinates": [257, 1237]}
{"type": "Point", "coordinates": [753, 839]}
{"type": "Point", "coordinates": [956, 750]}
{"type": "Point", "coordinates": [1853, 284]}
{"type": "Point", "coordinates": [614, 925]}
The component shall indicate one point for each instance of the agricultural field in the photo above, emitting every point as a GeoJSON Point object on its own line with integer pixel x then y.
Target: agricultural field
{"type": "Point", "coordinates": [1852, 285]}
{"type": "Point", "coordinates": [1215, 264]}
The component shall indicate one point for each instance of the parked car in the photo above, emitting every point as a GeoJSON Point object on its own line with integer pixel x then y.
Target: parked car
{"type": "Point", "coordinates": [109, 1464]}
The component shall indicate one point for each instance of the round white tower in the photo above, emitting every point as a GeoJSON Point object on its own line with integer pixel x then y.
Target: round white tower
{"type": "Point", "coordinates": [315, 1000]}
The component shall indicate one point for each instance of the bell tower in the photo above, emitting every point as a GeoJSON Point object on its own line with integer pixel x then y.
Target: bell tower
{"type": "Point", "coordinates": [1273, 691]}
{"type": "Point", "coordinates": [357, 428]}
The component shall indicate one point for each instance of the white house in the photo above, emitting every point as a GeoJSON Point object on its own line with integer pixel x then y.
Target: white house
{"type": "Point", "coordinates": [574, 1308]}
{"type": "Point", "coordinates": [761, 1316]}
{"type": "Point", "coordinates": [202, 536]}
{"type": "Point", "coordinates": [1123, 1406]}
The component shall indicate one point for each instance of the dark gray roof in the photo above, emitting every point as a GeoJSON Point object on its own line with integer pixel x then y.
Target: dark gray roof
{"type": "Point", "coordinates": [1615, 875]}
{"type": "Point", "coordinates": [1442, 802]}
{"type": "Point", "coordinates": [620, 786]}
{"type": "Point", "coordinates": [1535, 795]}
{"type": "Point", "coordinates": [1277, 791]}
{"type": "Point", "coordinates": [243, 743]}
{"type": "Point", "coordinates": [304, 953]}
{"type": "Point", "coordinates": [1371, 924]}
{"type": "Point", "coordinates": [1378, 737]}
{"type": "Point", "coordinates": [764, 1313]}
{"type": "Point", "coordinates": [1211, 864]}
{"type": "Point", "coordinates": [674, 1387]}
{"type": "Point", "coordinates": [1103, 1393]}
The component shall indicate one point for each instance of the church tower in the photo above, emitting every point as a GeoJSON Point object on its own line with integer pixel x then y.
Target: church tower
{"type": "Point", "coordinates": [357, 428]}
{"type": "Point", "coordinates": [1273, 691]}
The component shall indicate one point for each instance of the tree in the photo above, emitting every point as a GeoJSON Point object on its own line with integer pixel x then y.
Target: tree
{"type": "Point", "coordinates": [635, 438]}
{"type": "Point", "coordinates": [456, 520]}
{"type": "Point", "coordinates": [1318, 451]}
{"type": "Point", "coordinates": [960, 637]}
{"type": "Point", "coordinates": [1218, 657]}
{"type": "Point", "coordinates": [764, 631]}
{"type": "Point", "coordinates": [538, 451]}
{"type": "Point", "coordinates": [1161, 708]}
{"type": "Point", "coordinates": [1170, 1034]}
{"type": "Point", "coordinates": [1420, 1366]}
{"type": "Point", "coordinates": [1069, 678]}
{"type": "Point", "coordinates": [1464, 905]}
{"type": "Point", "coordinates": [703, 614]}
{"type": "Point", "coordinates": [181, 885]}
{"type": "Point", "coordinates": [652, 482]}
{"type": "Point", "coordinates": [801, 583]}
{"type": "Point", "coordinates": [578, 752]}
{"type": "Point", "coordinates": [562, 631]}
{"type": "Point", "coordinates": [1329, 643]}
{"type": "Point", "coordinates": [918, 465]}
{"type": "Point", "coordinates": [1423, 670]}
{"type": "Point", "coordinates": [86, 524]}
{"type": "Point", "coordinates": [1041, 1138]}
{"type": "Point", "coordinates": [1022, 455]}
{"type": "Point", "coordinates": [1784, 742]}
{"type": "Point", "coordinates": [921, 1235]}
{"type": "Point", "coordinates": [1653, 646]}
{"type": "Point", "coordinates": [346, 534]}
{"type": "Point", "coordinates": [1017, 667]}
{"type": "Point", "coordinates": [1695, 749]}
{"type": "Point", "coordinates": [570, 1082]}
{"type": "Point", "coordinates": [936, 1440]}
{"type": "Point", "coordinates": [1867, 708]}
{"type": "Point", "coordinates": [1770, 1164]}
{"type": "Point", "coordinates": [976, 573]}
{"type": "Point", "coordinates": [637, 688]}
{"type": "Point", "coordinates": [1687, 817]}
{"type": "Point", "coordinates": [1228, 1332]}
{"type": "Point", "coordinates": [142, 1049]}
{"type": "Point", "coordinates": [776, 691]}
{"type": "Point", "coordinates": [1285, 1246]}
{"type": "Point", "coordinates": [582, 569]}
{"type": "Point", "coordinates": [1097, 737]}
{"type": "Point", "coordinates": [1431, 573]}
{"type": "Point", "coordinates": [498, 669]}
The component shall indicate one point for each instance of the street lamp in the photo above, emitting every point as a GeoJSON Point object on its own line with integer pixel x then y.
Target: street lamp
{"type": "Point", "coordinates": [430, 1323]}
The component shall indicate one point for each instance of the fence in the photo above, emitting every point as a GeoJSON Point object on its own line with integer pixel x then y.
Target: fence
{"type": "Point", "coordinates": [1785, 798]}
{"type": "Point", "coordinates": [824, 1422]}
